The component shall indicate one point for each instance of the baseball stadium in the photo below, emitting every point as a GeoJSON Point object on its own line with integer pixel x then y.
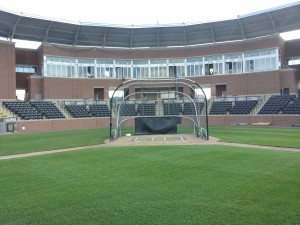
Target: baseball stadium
{"type": "Point", "coordinates": [193, 123]}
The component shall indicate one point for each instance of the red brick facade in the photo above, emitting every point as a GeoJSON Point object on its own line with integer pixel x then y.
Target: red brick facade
{"type": "Point", "coordinates": [7, 71]}
{"type": "Point", "coordinates": [48, 88]}
{"type": "Point", "coordinates": [24, 126]}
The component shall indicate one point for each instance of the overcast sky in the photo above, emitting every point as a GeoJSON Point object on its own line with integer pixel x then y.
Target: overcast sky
{"type": "Point", "coordinates": [140, 12]}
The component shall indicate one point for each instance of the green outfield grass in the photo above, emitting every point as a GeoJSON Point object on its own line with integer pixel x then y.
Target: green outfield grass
{"type": "Point", "coordinates": [206, 185]}
{"type": "Point", "coordinates": [269, 136]}
{"type": "Point", "coordinates": [24, 143]}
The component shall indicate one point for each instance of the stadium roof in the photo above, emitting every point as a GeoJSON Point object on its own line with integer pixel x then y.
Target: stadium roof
{"type": "Point", "coordinates": [263, 23]}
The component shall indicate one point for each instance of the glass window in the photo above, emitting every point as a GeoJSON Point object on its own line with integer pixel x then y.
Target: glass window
{"type": "Point", "coordinates": [176, 60]}
{"type": "Point", "coordinates": [158, 68]}
{"type": "Point", "coordinates": [140, 62]}
{"type": "Point", "coordinates": [123, 62]}
{"type": "Point", "coordinates": [233, 63]}
{"type": "Point", "coordinates": [293, 61]}
{"type": "Point", "coordinates": [194, 60]}
{"type": "Point", "coordinates": [213, 65]}
{"type": "Point", "coordinates": [25, 69]}
{"type": "Point", "coordinates": [158, 61]}
{"type": "Point", "coordinates": [194, 66]}
{"type": "Point", "coordinates": [261, 60]}
{"type": "Point", "coordinates": [104, 61]}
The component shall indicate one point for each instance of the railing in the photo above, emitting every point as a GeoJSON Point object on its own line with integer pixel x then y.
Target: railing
{"type": "Point", "coordinates": [236, 98]}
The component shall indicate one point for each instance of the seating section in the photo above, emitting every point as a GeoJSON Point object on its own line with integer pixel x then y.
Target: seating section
{"type": "Point", "coordinates": [127, 109]}
{"type": "Point", "coordinates": [146, 109]}
{"type": "Point", "coordinates": [243, 107]}
{"type": "Point", "coordinates": [78, 111]}
{"type": "Point", "coordinates": [23, 110]}
{"type": "Point", "coordinates": [172, 108]}
{"type": "Point", "coordinates": [48, 110]}
{"type": "Point", "coordinates": [101, 110]}
{"type": "Point", "coordinates": [220, 108]}
{"type": "Point", "coordinates": [293, 107]}
{"type": "Point", "coordinates": [189, 108]}
{"type": "Point", "coordinates": [276, 104]}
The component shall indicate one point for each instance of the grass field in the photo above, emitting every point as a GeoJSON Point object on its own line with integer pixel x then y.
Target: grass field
{"type": "Point", "coordinates": [146, 185]}
{"type": "Point", "coordinates": [207, 184]}
{"type": "Point", "coordinates": [24, 143]}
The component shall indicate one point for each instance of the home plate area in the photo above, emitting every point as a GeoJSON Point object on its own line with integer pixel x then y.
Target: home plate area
{"type": "Point", "coordinates": [159, 138]}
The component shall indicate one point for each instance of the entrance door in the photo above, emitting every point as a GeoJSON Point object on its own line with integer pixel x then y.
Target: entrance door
{"type": "Point", "coordinates": [221, 90]}
{"type": "Point", "coordinates": [98, 94]}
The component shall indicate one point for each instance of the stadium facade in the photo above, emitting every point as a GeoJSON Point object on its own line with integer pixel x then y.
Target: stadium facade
{"type": "Point", "coordinates": [243, 58]}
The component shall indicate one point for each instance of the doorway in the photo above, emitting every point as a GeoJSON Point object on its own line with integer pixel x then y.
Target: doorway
{"type": "Point", "coordinates": [98, 94]}
{"type": "Point", "coordinates": [221, 90]}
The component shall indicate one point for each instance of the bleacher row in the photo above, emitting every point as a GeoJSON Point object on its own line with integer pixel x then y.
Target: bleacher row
{"type": "Point", "coordinates": [84, 111]}
{"type": "Point", "coordinates": [234, 108]}
{"type": "Point", "coordinates": [277, 104]}
{"type": "Point", "coordinates": [34, 110]}
{"type": "Point", "coordinates": [286, 104]}
{"type": "Point", "coordinates": [188, 108]}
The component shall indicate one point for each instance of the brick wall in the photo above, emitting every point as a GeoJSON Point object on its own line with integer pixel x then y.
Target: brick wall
{"type": "Point", "coordinates": [7, 70]}
{"type": "Point", "coordinates": [180, 52]}
{"type": "Point", "coordinates": [72, 88]}
{"type": "Point", "coordinates": [238, 84]}
{"type": "Point", "coordinates": [61, 124]}
{"type": "Point", "coordinates": [74, 124]}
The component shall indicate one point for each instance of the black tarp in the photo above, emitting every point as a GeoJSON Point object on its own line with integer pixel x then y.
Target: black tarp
{"type": "Point", "coordinates": [155, 125]}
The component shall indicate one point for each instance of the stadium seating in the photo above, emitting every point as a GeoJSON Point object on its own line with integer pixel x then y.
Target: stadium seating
{"type": "Point", "coordinates": [276, 104]}
{"type": "Point", "coordinates": [23, 110]}
{"type": "Point", "coordinates": [189, 108]}
{"type": "Point", "coordinates": [48, 110]}
{"type": "Point", "coordinates": [78, 111]}
{"type": "Point", "coordinates": [100, 110]}
{"type": "Point", "coordinates": [172, 108]}
{"type": "Point", "coordinates": [220, 108]}
{"type": "Point", "coordinates": [293, 107]}
{"type": "Point", "coordinates": [127, 109]}
{"type": "Point", "coordinates": [146, 109]}
{"type": "Point", "coordinates": [243, 107]}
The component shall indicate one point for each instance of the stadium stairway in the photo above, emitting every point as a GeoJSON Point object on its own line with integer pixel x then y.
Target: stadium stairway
{"type": "Point", "coordinates": [261, 102]}
{"type": "Point", "coordinates": [3, 112]}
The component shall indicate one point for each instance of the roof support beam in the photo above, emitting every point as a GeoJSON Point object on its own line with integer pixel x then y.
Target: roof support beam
{"type": "Point", "coordinates": [242, 28]}
{"type": "Point", "coordinates": [12, 32]}
{"type": "Point", "coordinates": [212, 33]}
{"type": "Point", "coordinates": [104, 38]}
{"type": "Point", "coordinates": [76, 35]}
{"type": "Point", "coordinates": [157, 36]}
{"type": "Point", "coordinates": [273, 23]}
{"type": "Point", "coordinates": [131, 37]}
{"type": "Point", "coordinates": [47, 32]}
{"type": "Point", "coordinates": [184, 35]}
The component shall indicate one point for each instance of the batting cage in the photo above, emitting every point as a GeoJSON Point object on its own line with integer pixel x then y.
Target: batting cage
{"type": "Point", "coordinates": [159, 107]}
